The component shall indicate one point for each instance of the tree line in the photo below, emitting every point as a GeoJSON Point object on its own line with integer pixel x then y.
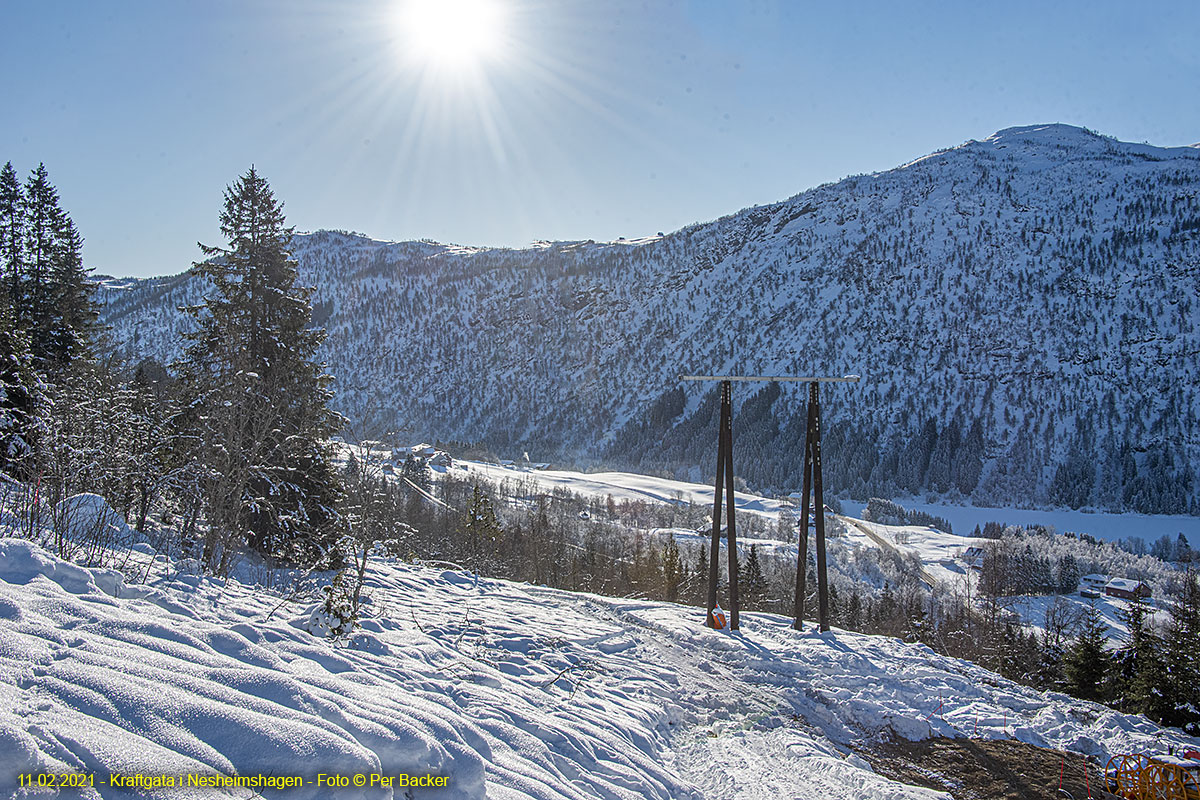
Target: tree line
{"type": "Point", "coordinates": [230, 444]}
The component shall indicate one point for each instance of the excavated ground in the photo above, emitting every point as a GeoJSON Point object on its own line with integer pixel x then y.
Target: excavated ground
{"type": "Point", "coordinates": [988, 769]}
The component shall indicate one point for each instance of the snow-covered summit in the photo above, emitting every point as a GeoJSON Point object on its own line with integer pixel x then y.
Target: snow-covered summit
{"type": "Point", "coordinates": [1080, 140]}
{"type": "Point", "coordinates": [1052, 134]}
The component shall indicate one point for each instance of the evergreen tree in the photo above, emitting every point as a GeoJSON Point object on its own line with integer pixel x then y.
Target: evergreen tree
{"type": "Point", "coordinates": [481, 533]}
{"type": "Point", "coordinates": [1067, 574]}
{"type": "Point", "coordinates": [12, 233]}
{"type": "Point", "coordinates": [73, 311]}
{"type": "Point", "coordinates": [21, 389]}
{"type": "Point", "coordinates": [968, 462]}
{"type": "Point", "coordinates": [672, 569]}
{"type": "Point", "coordinates": [701, 581]}
{"type": "Point", "coordinates": [41, 269]}
{"type": "Point", "coordinates": [1085, 663]}
{"type": "Point", "coordinates": [43, 221]}
{"type": "Point", "coordinates": [1182, 659]}
{"type": "Point", "coordinates": [1139, 671]}
{"type": "Point", "coordinates": [754, 585]}
{"type": "Point", "coordinates": [940, 473]}
{"type": "Point", "coordinates": [854, 610]}
{"type": "Point", "coordinates": [258, 400]}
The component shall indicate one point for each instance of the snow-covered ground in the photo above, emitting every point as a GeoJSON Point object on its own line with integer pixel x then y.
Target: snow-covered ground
{"type": "Point", "coordinates": [630, 486]}
{"type": "Point", "coordinates": [1103, 526]}
{"type": "Point", "coordinates": [940, 553]}
{"type": "Point", "coordinates": [507, 690]}
{"type": "Point", "coordinates": [622, 486]}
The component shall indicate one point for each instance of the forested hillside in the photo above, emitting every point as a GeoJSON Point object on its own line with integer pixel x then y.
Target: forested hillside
{"type": "Point", "coordinates": [1023, 311]}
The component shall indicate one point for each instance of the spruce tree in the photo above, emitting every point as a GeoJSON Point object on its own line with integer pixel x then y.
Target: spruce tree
{"type": "Point", "coordinates": [73, 311]}
{"type": "Point", "coordinates": [1139, 671]}
{"type": "Point", "coordinates": [754, 585]}
{"type": "Point", "coordinates": [21, 389]}
{"type": "Point", "coordinates": [701, 575]}
{"type": "Point", "coordinates": [672, 569]}
{"type": "Point", "coordinates": [258, 399]}
{"type": "Point", "coordinates": [12, 233]}
{"type": "Point", "coordinates": [43, 220]}
{"type": "Point", "coordinates": [41, 270]}
{"type": "Point", "coordinates": [480, 533]}
{"type": "Point", "coordinates": [1181, 687]}
{"type": "Point", "coordinates": [1086, 664]}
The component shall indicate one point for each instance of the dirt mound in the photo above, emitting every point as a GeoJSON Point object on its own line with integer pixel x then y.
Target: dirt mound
{"type": "Point", "coordinates": [988, 769]}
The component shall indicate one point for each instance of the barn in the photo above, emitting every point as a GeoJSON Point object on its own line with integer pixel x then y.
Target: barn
{"type": "Point", "coordinates": [1127, 589]}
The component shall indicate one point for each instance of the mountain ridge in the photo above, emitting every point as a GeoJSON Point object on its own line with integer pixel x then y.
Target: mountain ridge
{"type": "Point", "coordinates": [1023, 310]}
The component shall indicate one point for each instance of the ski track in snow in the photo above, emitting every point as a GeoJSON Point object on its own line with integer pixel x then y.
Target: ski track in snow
{"type": "Point", "coordinates": [511, 690]}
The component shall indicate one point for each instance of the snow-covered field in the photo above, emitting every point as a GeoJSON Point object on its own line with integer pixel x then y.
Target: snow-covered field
{"type": "Point", "coordinates": [1104, 526]}
{"type": "Point", "coordinates": [940, 553]}
{"type": "Point", "coordinates": [630, 486]}
{"type": "Point", "coordinates": [507, 690]}
{"type": "Point", "coordinates": [622, 486]}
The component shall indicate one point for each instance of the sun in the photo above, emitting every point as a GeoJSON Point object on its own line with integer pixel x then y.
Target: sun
{"type": "Point", "coordinates": [453, 34]}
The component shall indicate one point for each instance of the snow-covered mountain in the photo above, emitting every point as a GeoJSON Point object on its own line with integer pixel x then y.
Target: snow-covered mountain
{"type": "Point", "coordinates": [1023, 310]}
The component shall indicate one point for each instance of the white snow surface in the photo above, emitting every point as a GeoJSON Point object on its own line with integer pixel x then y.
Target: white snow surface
{"type": "Point", "coordinates": [623, 486]}
{"type": "Point", "coordinates": [1105, 526]}
{"type": "Point", "coordinates": [509, 690]}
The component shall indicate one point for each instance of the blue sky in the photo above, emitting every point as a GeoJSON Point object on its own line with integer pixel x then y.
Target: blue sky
{"type": "Point", "coordinates": [588, 120]}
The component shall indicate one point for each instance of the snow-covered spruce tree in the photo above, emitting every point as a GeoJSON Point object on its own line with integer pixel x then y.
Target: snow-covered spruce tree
{"type": "Point", "coordinates": [48, 316]}
{"type": "Point", "coordinates": [700, 576]}
{"type": "Point", "coordinates": [672, 568]}
{"type": "Point", "coordinates": [257, 398]}
{"type": "Point", "coordinates": [73, 312]}
{"type": "Point", "coordinates": [1139, 673]}
{"type": "Point", "coordinates": [21, 389]}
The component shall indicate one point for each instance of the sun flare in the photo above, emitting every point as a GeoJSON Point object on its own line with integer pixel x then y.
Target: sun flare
{"type": "Point", "coordinates": [453, 34]}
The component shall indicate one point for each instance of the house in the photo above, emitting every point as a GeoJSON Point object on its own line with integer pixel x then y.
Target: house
{"type": "Point", "coordinates": [423, 450]}
{"type": "Point", "coordinates": [441, 459]}
{"type": "Point", "coordinates": [1094, 582]}
{"type": "Point", "coordinates": [1127, 588]}
{"type": "Point", "coordinates": [973, 556]}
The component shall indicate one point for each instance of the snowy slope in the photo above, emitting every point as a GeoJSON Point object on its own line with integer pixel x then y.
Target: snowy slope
{"type": "Point", "coordinates": [506, 689]}
{"type": "Point", "coordinates": [938, 553]}
{"type": "Point", "coordinates": [1040, 283]}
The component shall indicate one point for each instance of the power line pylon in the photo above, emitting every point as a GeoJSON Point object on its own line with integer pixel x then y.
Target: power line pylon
{"type": "Point", "coordinates": [724, 484]}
